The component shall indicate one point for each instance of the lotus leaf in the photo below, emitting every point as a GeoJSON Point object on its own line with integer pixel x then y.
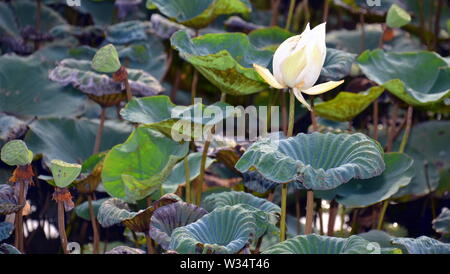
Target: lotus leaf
{"type": "Point", "coordinates": [421, 245]}
{"type": "Point", "coordinates": [254, 181]}
{"type": "Point", "coordinates": [397, 72]}
{"type": "Point", "coordinates": [82, 210]}
{"type": "Point", "coordinates": [10, 128]}
{"type": "Point", "coordinates": [361, 193]}
{"type": "Point", "coordinates": [237, 229]}
{"type": "Point", "coordinates": [199, 13]}
{"type": "Point", "coordinates": [165, 28]}
{"type": "Point", "coordinates": [132, 170]}
{"type": "Point", "coordinates": [442, 223]}
{"type": "Point", "coordinates": [6, 229]}
{"type": "Point", "coordinates": [8, 201]}
{"type": "Point", "coordinates": [71, 140]}
{"type": "Point", "coordinates": [347, 105]}
{"type": "Point", "coordinates": [166, 219]}
{"type": "Point", "coordinates": [317, 161]}
{"type": "Point", "coordinates": [225, 59]}
{"type": "Point", "coordinates": [125, 250]}
{"type": "Point", "coordinates": [8, 249]}
{"type": "Point", "coordinates": [316, 244]}
{"type": "Point", "coordinates": [128, 32]}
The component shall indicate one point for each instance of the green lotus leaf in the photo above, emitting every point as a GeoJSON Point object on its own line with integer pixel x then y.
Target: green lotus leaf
{"type": "Point", "coordinates": [6, 229]}
{"type": "Point", "coordinates": [425, 180]}
{"type": "Point", "coordinates": [8, 200]}
{"type": "Point", "coordinates": [79, 74]}
{"type": "Point", "coordinates": [397, 72]}
{"type": "Point", "coordinates": [8, 249]}
{"type": "Point", "coordinates": [132, 170]}
{"type": "Point", "coordinates": [167, 218]}
{"type": "Point", "coordinates": [10, 128]}
{"type": "Point", "coordinates": [397, 17]}
{"type": "Point", "coordinates": [317, 161]}
{"type": "Point", "coordinates": [350, 40]}
{"type": "Point", "coordinates": [128, 32]}
{"type": "Point", "coordinates": [64, 173]}
{"type": "Point", "coordinates": [442, 223]}
{"type": "Point", "coordinates": [71, 140]}
{"type": "Point", "coordinates": [90, 177]}
{"type": "Point", "coordinates": [82, 210]}
{"type": "Point", "coordinates": [114, 211]}
{"type": "Point", "coordinates": [20, 14]}
{"type": "Point", "coordinates": [361, 193]}
{"type": "Point", "coordinates": [316, 244]}
{"type": "Point", "coordinates": [164, 27]}
{"type": "Point", "coordinates": [237, 229]}
{"type": "Point", "coordinates": [269, 38]}
{"type": "Point", "coordinates": [178, 177]}
{"type": "Point", "coordinates": [16, 153]}
{"type": "Point", "coordinates": [225, 59]}
{"type": "Point", "coordinates": [347, 105]}
{"type": "Point", "coordinates": [106, 60]}
{"type": "Point", "coordinates": [21, 97]}
{"type": "Point", "coordinates": [125, 250]}
{"type": "Point", "coordinates": [199, 13]}
{"type": "Point", "coordinates": [421, 245]}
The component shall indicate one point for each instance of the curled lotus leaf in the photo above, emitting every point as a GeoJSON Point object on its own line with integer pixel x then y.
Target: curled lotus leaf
{"type": "Point", "coordinates": [421, 245]}
{"type": "Point", "coordinates": [397, 17]}
{"type": "Point", "coordinates": [165, 28]}
{"type": "Point", "coordinates": [79, 74]}
{"type": "Point", "coordinates": [64, 173]}
{"type": "Point", "coordinates": [317, 244]}
{"type": "Point", "coordinates": [199, 13]}
{"type": "Point", "coordinates": [16, 153]}
{"type": "Point", "coordinates": [316, 161]}
{"type": "Point", "coordinates": [167, 218]}
{"type": "Point", "coordinates": [6, 229]}
{"type": "Point", "coordinates": [106, 60]}
{"type": "Point", "coordinates": [8, 249]}
{"type": "Point", "coordinates": [225, 59]}
{"type": "Point", "coordinates": [135, 169]}
{"type": "Point", "coordinates": [442, 223]}
{"type": "Point", "coordinates": [237, 229]}
{"type": "Point", "coordinates": [125, 250]}
{"type": "Point", "coordinates": [254, 181]}
{"type": "Point", "coordinates": [8, 201]}
{"type": "Point", "coordinates": [114, 211]}
{"type": "Point", "coordinates": [361, 193]}
{"type": "Point", "coordinates": [397, 72]}
{"type": "Point", "coordinates": [347, 105]}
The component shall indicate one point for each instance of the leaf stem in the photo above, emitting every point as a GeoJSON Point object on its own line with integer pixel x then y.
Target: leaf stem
{"type": "Point", "coordinates": [149, 240]}
{"type": "Point", "coordinates": [61, 227]}
{"type": "Point", "coordinates": [409, 116]}
{"type": "Point", "coordinates": [98, 137]}
{"type": "Point", "coordinates": [290, 14]}
{"type": "Point", "coordinates": [382, 213]}
{"type": "Point", "coordinates": [309, 211]}
{"type": "Point", "coordinates": [334, 208]}
{"type": "Point", "coordinates": [284, 189]}
{"type": "Point", "coordinates": [202, 172]}
{"type": "Point", "coordinates": [94, 224]}
{"type": "Point", "coordinates": [188, 179]}
{"type": "Point", "coordinates": [19, 217]}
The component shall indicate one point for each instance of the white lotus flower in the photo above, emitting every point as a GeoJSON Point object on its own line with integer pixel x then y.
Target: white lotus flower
{"type": "Point", "coordinates": [297, 64]}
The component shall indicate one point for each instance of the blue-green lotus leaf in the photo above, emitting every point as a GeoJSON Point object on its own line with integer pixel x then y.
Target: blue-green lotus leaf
{"type": "Point", "coordinates": [379, 236]}
{"type": "Point", "coordinates": [421, 245]}
{"type": "Point", "coordinates": [254, 181]}
{"type": "Point", "coordinates": [347, 105]}
{"type": "Point", "coordinates": [164, 27]}
{"type": "Point", "coordinates": [8, 249]}
{"type": "Point", "coordinates": [80, 75]}
{"type": "Point", "coordinates": [199, 13]}
{"type": "Point", "coordinates": [316, 244]}
{"type": "Point", "coordinates": [72, 140]}
{"type": "Point", "coordinates": [225, 59]}
{"type": "Point", "coordinates": [136, 168]}
{"type": "Point", "coordinates": [226, 230]}
{"type": "Point", "coordinates": [167, 218]}
{"type": "Point", "coordinates": [178, 177]}
{"type": "Point", "coordinates": [442, 223]}
{"type": "Point", "coordinates": [6, 229]}
{"type": "Point", "coordinates": [317, 161]}
{"type": "Point", "coordinates": [82, 210]}
{"type": "Point", "coordinates": [125, 250]}
{"type": "Point", "coordinates": [361, 193]}
{"type": "Point", "coordinates": [128, 32]}
{"type": "Point", "coordinates": [398, 73]}
{"type": "Point", "coordinates": [8, 201]}
{"type": "Point", "coordinates": [21, 95]}
{"type": "Point", "coordinates": [10, 128]}
{"type": "Point", "coordinates": [114, 211]}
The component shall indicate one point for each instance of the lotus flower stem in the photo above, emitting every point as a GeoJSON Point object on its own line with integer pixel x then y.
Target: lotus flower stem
{"type": "Point", "coordinates": [405, 138]}
{"type": "Point", "coordinates": [61, 227]}
{"type": "Point", "coordinates": [309, 211]}
{"type": "Point", "coordinates": [291, 114]}
{"type": "Point", "coordinates": [284, 114]}
{"type": "Point", "coordinates": [290, 14]}
{"type": "Point", "coordinates": [326, 9]}
{"type": "Point", "coordinates": [313, 115]}
{"type": "Point", "coordinates": [188, 179]}
{"type": "Point", "coordinates": [94, 225]}
{"type": "Point", "coordinates": [284, 189]}
{"type": "Point", "coordinates": [382, 213]}
{"type": "Point", "coordinates": [98, 137]}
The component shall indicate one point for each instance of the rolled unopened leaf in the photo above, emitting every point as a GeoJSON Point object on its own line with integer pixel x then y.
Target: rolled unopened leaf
{"type": "Point", "coordinates": [16, 153]}
{"type": "Point", "coordinates": [64, 173]}
{"type": "Point", "coordinates": [106, 60]}
{"type": "Point", "coordinates": [397, 17]}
